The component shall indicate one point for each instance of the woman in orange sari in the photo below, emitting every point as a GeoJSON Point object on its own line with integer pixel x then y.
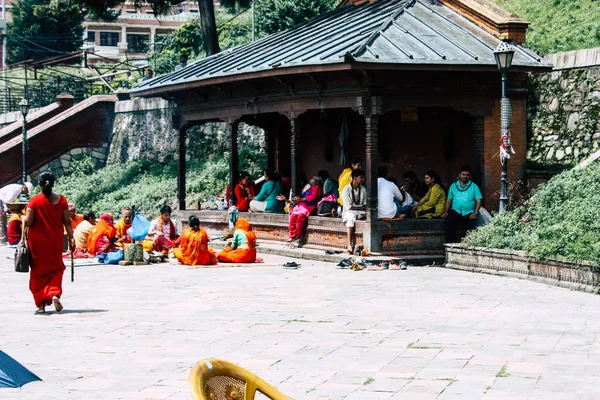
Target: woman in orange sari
{"type": "Point", "coordinates": [242, 249]}
{"type": "Point", "coordinates": [47, 215]}
{"type": "Point", "coordinates": [102, 236]}
{"type": "Point", "coordinates": [194, 248]}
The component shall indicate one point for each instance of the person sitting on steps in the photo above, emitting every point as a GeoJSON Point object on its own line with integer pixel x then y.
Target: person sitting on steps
{"type": "Point", "coordinates": [354, 197]}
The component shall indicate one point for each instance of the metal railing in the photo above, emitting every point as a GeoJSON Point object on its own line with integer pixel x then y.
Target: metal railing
{"type": "Point", "coordinates": [43, 93]}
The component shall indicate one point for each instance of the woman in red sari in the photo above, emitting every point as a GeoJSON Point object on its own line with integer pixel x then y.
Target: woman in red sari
{"type": "Point", "coordinates": [47, 216]}
{"type": "Point", "coordinates": [244, 192]}
{"type": "Point", "coordinates": [243, 245]}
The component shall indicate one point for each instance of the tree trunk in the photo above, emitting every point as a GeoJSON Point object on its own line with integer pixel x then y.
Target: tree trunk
{"type": "Point", "coordinates": [209, 27]}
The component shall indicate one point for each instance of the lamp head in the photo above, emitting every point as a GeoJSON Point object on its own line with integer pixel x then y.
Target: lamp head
{"type": "Point", "coordinates": [24, 106]}
{"type": "Point", "coordinates": [504, 55]}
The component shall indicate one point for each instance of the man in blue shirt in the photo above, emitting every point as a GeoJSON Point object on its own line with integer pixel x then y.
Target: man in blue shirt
{"type": "Point", "coordinates": [462, 205]}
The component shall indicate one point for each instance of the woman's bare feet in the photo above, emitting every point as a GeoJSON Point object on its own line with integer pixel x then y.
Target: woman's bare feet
{"type": "Point", "coordinates": [57, 305]}
{"type": "Point", "coordinates": [291, 239]}
{"type": "Point", "coordinates": [41, 310]}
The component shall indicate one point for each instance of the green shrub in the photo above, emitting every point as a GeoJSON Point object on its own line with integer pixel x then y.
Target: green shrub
{"type": "Point", "coordinates": [561, 220]}
{"type": "Point", "coordinates": [148, 185]}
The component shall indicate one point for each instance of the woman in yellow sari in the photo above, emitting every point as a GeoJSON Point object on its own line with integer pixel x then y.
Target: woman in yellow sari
{"type": "Point", "coordinates": [243, 245]}
{"type": "Point", "coordinates": [194, 248]}
{"type": "Point", "coordinates": [433, 203]}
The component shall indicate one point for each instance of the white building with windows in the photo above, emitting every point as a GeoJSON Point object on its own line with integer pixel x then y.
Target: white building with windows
{"type": "Point", "coordinates": [134, 33]}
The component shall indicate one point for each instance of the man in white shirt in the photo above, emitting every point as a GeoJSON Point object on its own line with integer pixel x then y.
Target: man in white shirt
{"type": "Point", "coordinates": [9, 194]}
{"type": "Point", "coordinates": [354, 197]}
{"type": "Point", "coordinates": [387, 192]}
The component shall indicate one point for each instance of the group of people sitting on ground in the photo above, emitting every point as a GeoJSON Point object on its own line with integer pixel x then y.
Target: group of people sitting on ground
{"type": "Point", "coordinates": [191, 248]}
{"type": "Point", "coordinates": [459, 205]}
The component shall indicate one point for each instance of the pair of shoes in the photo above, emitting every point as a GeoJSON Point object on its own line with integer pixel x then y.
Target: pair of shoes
{"type": "Point", "coordinates": [345, 263]}
{"type": "Point", "coordinates": [291, 265]}
{"type": "Point", "coordinates": [57, 304]}
{"type": "Point", "coordinates": [357, 267]}
{"type": "Point", "coordinates": [385, 265]}
{"type": "Point", "coordinates": [333, 251]}
{"type": "Point", "coordinates": [374, 268]}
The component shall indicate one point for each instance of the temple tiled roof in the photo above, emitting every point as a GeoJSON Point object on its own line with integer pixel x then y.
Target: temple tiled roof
{"type": "Point", "coordinates": [409, 33]}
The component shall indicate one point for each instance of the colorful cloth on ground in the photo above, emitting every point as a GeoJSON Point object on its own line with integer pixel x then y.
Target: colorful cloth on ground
{"type": "Point", "coordinates": [434, 199]}
{"type": "Point", "coordinates": [121, 231]}
{"type": "Point", "coordinates": [464, 199]}
{"type": "Point", "coordinates": [312, 196]}
{"type": "Point", "coordinates": [77, 220]}
{"type": "Point", "coordinates": [99, 237]}
{"type": "Point", "coordinates": [243, 195]}
{"type": "Point", "coordinates": [45, 239]}
{"type": "Point", "coordinates": [81, 234]}
{"type": "Point", "coordinates": [269, 192]}
{"type": "Point", "coordinates": [343, 181]}
{"type": "Point", "coordinates": [243, 245]}
{"type": "Point", "coordinates": [194, 249]}
{"type": "Point", "coordinates": [14, 229]}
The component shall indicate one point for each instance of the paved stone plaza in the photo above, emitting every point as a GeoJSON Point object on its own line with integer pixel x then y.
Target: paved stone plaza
{"type": "Point", "coordinates": [315, 333]}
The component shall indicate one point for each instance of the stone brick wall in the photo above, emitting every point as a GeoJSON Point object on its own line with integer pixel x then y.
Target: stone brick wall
{"type": "Point", "coordinates": [564, 113]}
{"type": "Point", "coordinates": [60, 164]}
{"type": "Point", "coordinates": [143, 130]}
{"type": "Point", "coordinates": [575, 276]}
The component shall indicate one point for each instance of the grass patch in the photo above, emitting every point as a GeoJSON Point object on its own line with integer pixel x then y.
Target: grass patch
{"type": "Point", "coordinates": [297, 320]}
{"type": "Point", "coordinates": [368, 381]}
{"type": "Point", "coordinates": [414, 345]}
{"type": "Point", "coordinates": [503, 373]}
{"type": "Point", "coordinates": [311, 390]}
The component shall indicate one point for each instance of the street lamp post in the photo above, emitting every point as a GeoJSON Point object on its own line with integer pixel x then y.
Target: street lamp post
{"type": "Point", "coordinates": [504, 55]}
{"type": "Point", "coordinates": [24, 106]}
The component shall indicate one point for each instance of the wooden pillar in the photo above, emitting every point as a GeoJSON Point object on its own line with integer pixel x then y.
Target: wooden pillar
{"type": "Point", "coordinates": [371, 109]}
{"type": "Point", "coordinates": [233, 125]}
{"type": "Point", "coordinates": [295, 129]}
{"type": "Point", "coordinates": [181, 167]}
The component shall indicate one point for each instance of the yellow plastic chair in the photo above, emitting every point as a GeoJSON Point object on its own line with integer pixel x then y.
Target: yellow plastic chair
{"type": "Point", "coordinates": [212, 379]}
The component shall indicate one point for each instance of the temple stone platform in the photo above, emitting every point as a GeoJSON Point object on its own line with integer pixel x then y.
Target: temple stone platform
{"type": "Point", "coordinates": [410, 237]}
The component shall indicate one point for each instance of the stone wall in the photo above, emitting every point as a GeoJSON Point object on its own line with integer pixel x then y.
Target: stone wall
{"type": "Point", "coordinates": [576, 276]}
{"type": "Point", "coordinates": [564, 110]}
{"type": "Point", "coordinates": [59, 165]}
{"type": "Point", "coordinates": [143, 130]}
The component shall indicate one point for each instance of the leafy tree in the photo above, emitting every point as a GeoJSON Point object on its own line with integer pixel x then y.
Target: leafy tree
{"type": "Point", "coordinates": [186, 40]}
{"type": "Point", "coordinates": [276, 15]}
{"type": "Point", "coordinates": [42, 29]}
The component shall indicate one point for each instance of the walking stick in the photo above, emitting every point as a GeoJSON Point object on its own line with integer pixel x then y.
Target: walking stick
{"type": "Point", "coordinates": [72, 267]}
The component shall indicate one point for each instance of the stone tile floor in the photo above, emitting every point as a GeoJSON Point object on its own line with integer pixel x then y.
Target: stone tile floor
{"type": "Point", "coordinates": [315, 333]}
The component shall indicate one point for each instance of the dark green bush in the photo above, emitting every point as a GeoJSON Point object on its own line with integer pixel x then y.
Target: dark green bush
{"type": "Point", "coordinates": [561, 220]}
